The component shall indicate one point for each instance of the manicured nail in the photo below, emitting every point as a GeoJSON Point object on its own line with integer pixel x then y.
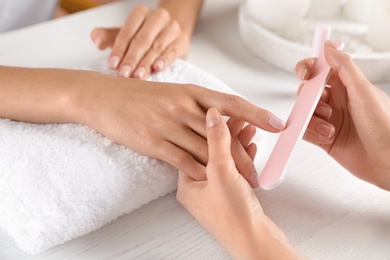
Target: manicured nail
{"type": "Point", "coordinates": [125, 71]}
{"type": "Point", "coordinates": [253, 180]}
{"type": "Point", "coordinates": [324, 111]}
{"type": "Point", "coordinates": [302, 72]}
{"type": "Point", "coordinates": [276, 123]}
{"type": "Point", "coordinates": [213, 117]}
{"type": "Point", "coordinates": [159, 65]}
{"type": "Point", "coordinates": [98, 41]}
{"type": "Point", "coordinates": [113, 62]}
{"type": "Point", "coordinates": [333, 45]}
{"type": "Point", "coordinates": [139, 73]}
{"type": "Point", "coordinates": [326, 130]}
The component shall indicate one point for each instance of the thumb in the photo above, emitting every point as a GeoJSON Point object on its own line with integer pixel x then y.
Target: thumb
{"type": "Point", "coordinates": [218, 139]}
{"type": "Point", "coordinates": [349, 73]}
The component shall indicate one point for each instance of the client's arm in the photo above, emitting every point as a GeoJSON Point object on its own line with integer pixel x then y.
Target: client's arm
{"type": "Point", "coordinates": [161, 120]}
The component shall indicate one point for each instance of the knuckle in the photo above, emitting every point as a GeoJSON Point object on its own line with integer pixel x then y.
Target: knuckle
{"type": "Point", "coordinates": [174, 26]}
{"type": "Point", "coordinates": [161, 13]}
{"type": "Point", "coordinates": [173, 51]}
{"type": "Point", "coordinates": [141, 39]}
{"type": "Point", "coordinates": [157, 47]}
{"type": "Point", "coordinates": [124, 33]}
{"type": "Point", "coordinates": [233, 101]}
{"type": "Point", "coordinates": [141, 9]}
{"type": "Point", "coordinates": [180, 159]}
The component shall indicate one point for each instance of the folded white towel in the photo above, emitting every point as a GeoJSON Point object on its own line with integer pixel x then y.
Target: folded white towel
{"type": "Point", "coordinates": [62, 181]}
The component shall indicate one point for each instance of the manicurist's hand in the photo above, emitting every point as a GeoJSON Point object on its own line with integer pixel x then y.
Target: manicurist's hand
{"type": "Point", "coordinates": [150, 40]}
{"type": "Point", "coordinates": [352, 120]}
{"type": "Point", "coordinates": [226, 205]}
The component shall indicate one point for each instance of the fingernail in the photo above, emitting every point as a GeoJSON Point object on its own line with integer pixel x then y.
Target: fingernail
{"type": "Point", "coordinates": [276, 123]}
{"type": "Point", "coordinates": [113, 62]}
{"type": "Point", "coordinates": [253, 180]}
{"type": "Point", "coordinates": [212, 118]}
{"type": "Point", "coordinates": [302, 72]}
{"type": "Point", "coordinates": [125, 71]}
{"type": "Point", "coordinates": [140, 73]}
{"type": "Point", "coordinates": [324, 111]}
{"type": "Point", "coordinates": [98, 41]}
{"type": "Point", "coordinates": [159, 65]}
{"type": "Point", "coordinates": [326, 130]}
{"type": "Point", "coordinates": [333, 45]}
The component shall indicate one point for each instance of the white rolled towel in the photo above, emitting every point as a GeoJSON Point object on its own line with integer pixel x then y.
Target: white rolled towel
{"type": "Point", "coordinates": [61, 181]}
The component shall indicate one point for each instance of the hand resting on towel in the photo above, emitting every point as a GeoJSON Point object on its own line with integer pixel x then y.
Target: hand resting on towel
{"type": "Point", "coordinates": [61, 181]}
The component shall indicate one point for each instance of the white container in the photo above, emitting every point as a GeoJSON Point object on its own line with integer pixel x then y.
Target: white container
{"type": "Point", "coordinates": [378, 32]}
{"type": "Point", "coordinates": [278, 14]}
{"type": "Point", "coordinates": [324, 8]}
{"type": "Point", "coordinates": [358, 10]}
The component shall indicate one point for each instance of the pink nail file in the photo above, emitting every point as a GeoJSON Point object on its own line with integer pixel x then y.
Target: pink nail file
{"type": "Point", "coordinates": [275, 168]}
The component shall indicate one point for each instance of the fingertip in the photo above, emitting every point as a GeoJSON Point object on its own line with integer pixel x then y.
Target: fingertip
{"type": "Point", "coordinates": [342, 63]}
{"type": "Point", "coordinates": [140, 73]}
{"type": "Point", "coordinates": [98, 41]}
{"type": "Point", "coordinates": [303, 68]}
{"type": "Point", "coordinates": [276, 122]}
{"type": "Point", "coordinates": [301, 71]}
{"type": "Point", "coordinates": [213, 117]}
{"type": "Point", "coordinates": [159, 65]}
{"type": "Point", "coordinates": [334, 56]}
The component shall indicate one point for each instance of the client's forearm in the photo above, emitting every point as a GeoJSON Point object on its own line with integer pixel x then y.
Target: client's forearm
{"type": "Point", "coordinates": [41, 95]}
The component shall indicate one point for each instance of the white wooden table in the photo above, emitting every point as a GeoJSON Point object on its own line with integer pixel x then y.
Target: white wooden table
{"type": "Point", "coordinates": [326, 212]}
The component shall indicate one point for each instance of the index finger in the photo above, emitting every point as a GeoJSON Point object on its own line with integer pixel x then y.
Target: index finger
{"type": "Point", "coordinates": [237, 107]}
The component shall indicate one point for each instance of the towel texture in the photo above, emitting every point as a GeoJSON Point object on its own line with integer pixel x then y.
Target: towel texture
{"type": "Point", "coordinates": [62, 181]}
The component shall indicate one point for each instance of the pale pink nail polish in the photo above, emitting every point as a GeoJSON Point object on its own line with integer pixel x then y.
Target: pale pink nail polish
{"type": "Point", "coordinates": [326, 130]}
{"type": "Point", "coordinates": [212, 117]}
{"type": "Point", "coordinates": [333, 45]}
{"type": "Point", "coordinates": [125, 71]}
{"type": "Point", "coordinates": [159, 65]}
{"type": "Point", "coordinates": [276, 123]}
{"type": "Point", "coordinates": [140, 73]}
{"type": "Point", "coordinates": [113, 62]}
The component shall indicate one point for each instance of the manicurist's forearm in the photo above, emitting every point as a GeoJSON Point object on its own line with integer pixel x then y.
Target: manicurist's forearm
{"type": "Point", "coordinates": [185, 12]}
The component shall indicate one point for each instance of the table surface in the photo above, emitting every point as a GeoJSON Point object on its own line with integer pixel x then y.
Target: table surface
{"type": "Point", "coordinates": [326, 212]}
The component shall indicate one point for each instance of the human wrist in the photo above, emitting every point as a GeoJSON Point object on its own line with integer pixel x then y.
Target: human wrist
{"type": "Point", "coordinates": [83, 99]}
{"type": "Point", "coordinates": [186, 13]}
{"type": "Point", "coordinates": [264, 241]}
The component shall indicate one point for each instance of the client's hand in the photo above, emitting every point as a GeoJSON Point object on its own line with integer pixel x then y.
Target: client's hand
{"type": "Point", "coordinates": [352, 120]}
{"type": "Point", "coordinates": [227, 206]}
{"type": "Point", "coordinates": [161, 120]}
{"type": "Point", "coordinates": [166, 121]}
{"type": "Point", "coordinates": [150, 40]}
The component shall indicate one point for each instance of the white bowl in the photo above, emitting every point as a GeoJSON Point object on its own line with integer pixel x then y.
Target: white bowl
{"type": "Point", "coordinates": [284, 49]}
